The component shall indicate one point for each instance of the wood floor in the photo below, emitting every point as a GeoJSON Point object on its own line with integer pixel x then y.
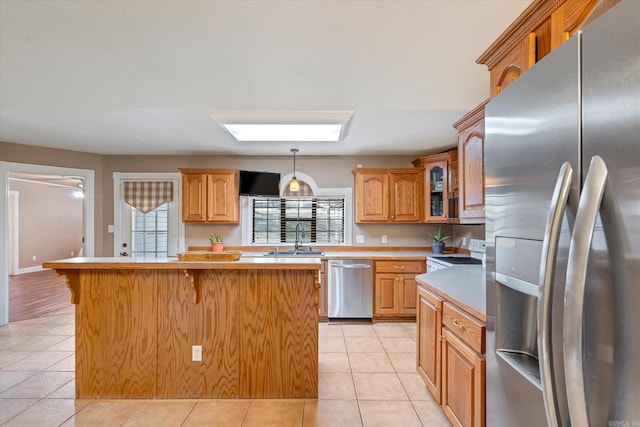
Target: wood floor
{"type": "Point", "coordinates": [37, 294]}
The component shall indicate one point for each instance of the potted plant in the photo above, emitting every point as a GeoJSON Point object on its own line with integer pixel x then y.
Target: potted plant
{"type": "Point", "coordinates": [437, 245]}
{"type": "Point", "coordinates": [217, 244]}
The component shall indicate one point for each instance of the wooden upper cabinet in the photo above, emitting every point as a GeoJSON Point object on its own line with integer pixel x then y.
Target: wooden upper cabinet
{"type": "Point", "coordinates": [210, 195]}
{"type": "Point", "coordinates": [405, 203]}
{"type": "Point", "coordinates": [542, 27]}
{"type": "Point", "coordinates": [194, 197]}
{"type": "Point", "coordinates": [440, 190]}
{"type": "Point", "coordinates": [388, 195]}
{"type": "Point", "coordinates": [471, 166]}
{"type": "Point", "coordinates": [513, 65]}
{"type": "Point", "coordinates": [223, 200]}
{"type": "Point", "coordinates": [372, 196]}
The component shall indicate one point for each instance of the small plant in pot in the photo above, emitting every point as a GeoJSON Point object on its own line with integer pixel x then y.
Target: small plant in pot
{"type": "Point", "coordinates": [217, 243]}
{"type": "Point", "coordinates": [437, 245]}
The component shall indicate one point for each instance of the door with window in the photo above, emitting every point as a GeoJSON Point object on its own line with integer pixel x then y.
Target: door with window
{"type": "Point", "coordinates": [146, 230]}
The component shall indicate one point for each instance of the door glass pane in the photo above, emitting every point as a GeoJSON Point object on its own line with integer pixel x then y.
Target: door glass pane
{"type": "Point", "coordinates": [149, 233]}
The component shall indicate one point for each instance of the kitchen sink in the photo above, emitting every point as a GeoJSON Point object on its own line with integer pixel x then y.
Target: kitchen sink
{"type": "Point", "coordinates": [293, 252]}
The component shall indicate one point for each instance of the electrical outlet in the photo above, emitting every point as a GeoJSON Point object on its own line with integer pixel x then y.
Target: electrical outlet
{"type": "Point", "coordinates": [34, 257]}
{"type": "Point", "coordinates": [72, 253]}
{"type": "Point", "coordinates": [384, 239]}
{"type": "Point", "coordinates": [196, 353]}
{"type": "Point", "coordinates": [464, 241]}
{"type": "Point", "coordinates": [359, 238]}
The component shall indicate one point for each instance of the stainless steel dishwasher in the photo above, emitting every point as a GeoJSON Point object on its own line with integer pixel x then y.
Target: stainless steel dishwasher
{"type": "Point", "coordinates": [350, 289]}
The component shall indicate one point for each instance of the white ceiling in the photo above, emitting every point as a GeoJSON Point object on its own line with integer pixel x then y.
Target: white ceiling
{"type": "Point", "coordinates": [138, 77]}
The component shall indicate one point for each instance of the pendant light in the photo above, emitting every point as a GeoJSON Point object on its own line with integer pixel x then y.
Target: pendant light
{"type": "Point", "coordinates": [294, 185]}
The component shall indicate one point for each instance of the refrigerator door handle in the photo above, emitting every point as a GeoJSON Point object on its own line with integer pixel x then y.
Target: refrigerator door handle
{"type": "Point", "coordinates": [545, 290]}
{"type": "Point", "coordinates": [588, 207]}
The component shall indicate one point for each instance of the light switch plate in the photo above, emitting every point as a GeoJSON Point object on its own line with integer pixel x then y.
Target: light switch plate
{"type": "Point", "coordinates": [359, 238]}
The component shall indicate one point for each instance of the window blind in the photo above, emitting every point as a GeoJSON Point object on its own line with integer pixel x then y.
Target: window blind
{"type": "Point", "coordinates": [275, 219]}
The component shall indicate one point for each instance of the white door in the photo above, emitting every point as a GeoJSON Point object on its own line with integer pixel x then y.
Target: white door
{"type": "Point", "coordinates": [156, 234]}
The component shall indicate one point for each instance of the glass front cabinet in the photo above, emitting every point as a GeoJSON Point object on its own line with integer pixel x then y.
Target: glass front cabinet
{"type": "Point", "coordinates": [440, 186]}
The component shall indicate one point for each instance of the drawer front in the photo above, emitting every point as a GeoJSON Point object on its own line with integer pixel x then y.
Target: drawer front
{"type": "Point", "coordinates": [467, 328]}
{"type": "Point", "coordinates": [399, 266]}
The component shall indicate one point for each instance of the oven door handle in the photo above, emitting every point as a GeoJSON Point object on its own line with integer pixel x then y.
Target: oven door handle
{"type": "Point", "coordinates": [545, 290]}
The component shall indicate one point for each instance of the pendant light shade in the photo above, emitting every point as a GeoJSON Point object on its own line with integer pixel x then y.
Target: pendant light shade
{"type": "Point", "coordinates": [294, 185]}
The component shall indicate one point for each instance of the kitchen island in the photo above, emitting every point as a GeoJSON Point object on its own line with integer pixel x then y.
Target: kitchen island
{"type": "Point", "coordinates": [139, 323]}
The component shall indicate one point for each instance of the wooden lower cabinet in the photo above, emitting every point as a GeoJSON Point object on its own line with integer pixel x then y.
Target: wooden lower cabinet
{"type": "Point", "coordinates": [395, 288]}
{"type": "Point", "coordinates": [429, 324]}
{"type": "Point", "coordinates": [451, 357]}
{"type": "Point", "coordinates": [463, 382]}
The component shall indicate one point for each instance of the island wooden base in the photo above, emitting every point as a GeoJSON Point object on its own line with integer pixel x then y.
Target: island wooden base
{"type": "Point", "coordinates": [135, 329]}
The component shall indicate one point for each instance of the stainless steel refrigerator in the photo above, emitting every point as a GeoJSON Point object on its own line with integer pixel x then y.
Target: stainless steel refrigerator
{"type": "Point", "coordinates": [562, 162]}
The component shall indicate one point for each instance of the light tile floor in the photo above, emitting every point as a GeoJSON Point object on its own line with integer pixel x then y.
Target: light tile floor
{"type": "Point", "coordinates": [367, 377]}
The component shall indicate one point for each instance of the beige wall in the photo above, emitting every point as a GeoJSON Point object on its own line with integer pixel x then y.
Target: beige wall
{"type": "Point", "coordinates": [18, 153]}
{"type": "Point", "coordinates": [327, 171]}
{"type": "Point", "coordinates": [50, 223]}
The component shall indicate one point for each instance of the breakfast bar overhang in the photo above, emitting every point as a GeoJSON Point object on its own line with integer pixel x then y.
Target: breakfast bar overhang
{"type": "Point", "coordinates": [137, 320]}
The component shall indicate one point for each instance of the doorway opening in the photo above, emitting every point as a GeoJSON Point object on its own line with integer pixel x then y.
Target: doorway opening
{"type": "Point", "coordinates": [7, 170]}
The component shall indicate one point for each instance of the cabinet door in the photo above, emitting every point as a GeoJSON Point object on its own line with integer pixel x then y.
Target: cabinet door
{"type": "Point", "coordinates": [406, 202]}
{"type": "Point", "coordinates": [513, 65]}
{"type": "Point", "coordinates": [471, 151]}
{"type": "Point", "coordinates": [437, 205]}
{"type": "Point", "coordinates": [407, 295]}
{"type": "Point", "coordinates": [386, 300]}
{"type": "Point", "coordinates": [429, 324]}
{"type": "Point", "coordinates": [194, 197]}
{"type": "Point", "coordinates": [462, 382]}
{"type": "Point", "coordinates": [222, 197]}
{"type": "Point", "coordinates": [372, 197]}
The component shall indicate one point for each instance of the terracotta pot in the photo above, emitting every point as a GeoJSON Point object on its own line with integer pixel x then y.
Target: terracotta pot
{"type": "Point", "coordinates": [217, 246]}
{"type": "Point", "coordinates": [437, 247]}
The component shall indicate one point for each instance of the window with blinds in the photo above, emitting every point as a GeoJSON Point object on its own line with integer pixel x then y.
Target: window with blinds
{"type": "Point", "coordinates": [275, 219]}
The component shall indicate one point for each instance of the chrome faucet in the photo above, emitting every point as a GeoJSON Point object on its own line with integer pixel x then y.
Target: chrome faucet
{"type": "Point", "coordinates": [299, 227]}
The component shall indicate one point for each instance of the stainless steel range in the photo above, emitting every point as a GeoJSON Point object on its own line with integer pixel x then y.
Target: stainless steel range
{"type": "Point", "coordinates": [439, 262]}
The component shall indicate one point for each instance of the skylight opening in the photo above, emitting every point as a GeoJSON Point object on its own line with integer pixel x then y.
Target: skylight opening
{"type": "Point", "coordinates": [285, 132]}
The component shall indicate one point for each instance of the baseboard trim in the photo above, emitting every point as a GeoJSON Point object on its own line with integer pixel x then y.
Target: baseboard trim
{"type": "Point", "coordinates": [33, 269]}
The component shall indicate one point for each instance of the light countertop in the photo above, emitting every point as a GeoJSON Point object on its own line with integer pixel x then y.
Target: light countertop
{"type": "Point", "coordinates": [416, 255]}
{"type": "Point", "coordinates": [172, 263]}
{"type": "Point", "coordinates": [463, 283]}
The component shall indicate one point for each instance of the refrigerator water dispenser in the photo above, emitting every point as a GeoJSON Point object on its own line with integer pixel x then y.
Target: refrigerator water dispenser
{"type": "Point", "coordinates": [517, 270]}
